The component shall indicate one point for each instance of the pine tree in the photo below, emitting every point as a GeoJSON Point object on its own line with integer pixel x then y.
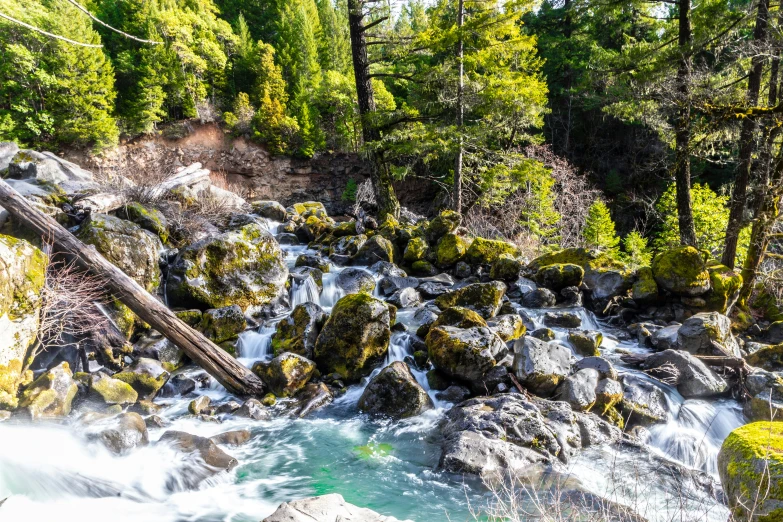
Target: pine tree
{"type": "Point", "coordinates": [334, 49]}
{"type": "Point", "coordinates": [635, 249]}
{"type": "Point", "coordinates": [599, 228]}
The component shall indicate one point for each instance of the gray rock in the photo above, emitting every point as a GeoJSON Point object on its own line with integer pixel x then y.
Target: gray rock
{"type": "Point", "coordinates": [489, 458]}
{"type": "Point", "coordinates": [153, 345]}
{"type": "Point", "coordinates": [692, 377]}
{"type": "Point", "coordinates": [391, 284]}
{"type": "Point", "coordinates": [146, 376]}
{"type": "Point", "coordinates": [298, 332]}
{"type": "Point", "coordinates": [253, 409]}
{"type": "Point", "coordinates": [666, 338]}
{"type": "Point", "coordinates": [199, 405]}
{"type": "Point", "coordinates": [385, 268]}
{"type": "Point", "coordinates": [269, 209]}
{"type": "Point", "coordinates": [578, 390]}
{"type": "Point", "coordinates": [125, 432]}
{"type": "Point", "coordinates": [312, 397]}
{"type": "Point", "coordinates": [541, 366]}
{"type": "Point", "coordinates": [453, 393]}
{"type": "Point", "coordinates": [395, 393]}
{"type": "Point", "coordinates": [562, 319]}
{"type": "Point", "coordinates": [215, 460]}
{"type": "Point", "coordinates": [544, 334]}
{"type": "Point", "coordinates": [643, 402]}
{"type": "Point", "coordinates": [286, 374]}
{"type": "Point", "coordinates": [404, 298]}
{"type": "Point", "coordinates": [465, 354]}
{"type": "Point", "coordinates": [326, 508]}
{"type": "Point", "coordinates": [539, 298]}
{"type": "Point", "coordinates": [699, 334]}
{"type": "Point", "coordinates": [355, 280]}
{"type": "Point", "coordinates": [774, 333]}
{"type": "Point", "coordinates": [312, 261]}
{"type": "Point", "coordinates": [232, 438]}
{"type": "Point", "coordinates": [602, 366]}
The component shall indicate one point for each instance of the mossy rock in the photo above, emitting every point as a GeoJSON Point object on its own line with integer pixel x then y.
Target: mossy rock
{"type": "Point", "coordinates": [586, 343]}
{"type": "Point", "coordinates": [189, 317]}
{"type": "Point", "coordinates": [146, 376]}
{"type": "Point", "coordinates": [483, 298]}
{"type": "Point", "coordinates": [769, 358]}
{"type": "Point", "coordinates": [424, 268]}
{"type": "Point", "coordinates": [750, 464]}
{"type": "Point", "coordinates": [560, 275]}
{"type": "Point", "coordinates": [725, 286]}
{"type": "Point", "coordinates": [348, 245]}
{"type": "Point", "coordinates": [244, 267]}
{"type": "Point", "coordinates": [377, 248]}
{"type": "Point", "coordinates": [112, 391]}
{"type": "Point", "coordinates": [314, 227]}
{"type": "Point", "coordinates": [51, 394]}
{"type": "Point", "coordinates": [604, 275]}
{"type": "Point", "coordinates": [355, 337]}
{"type": "Point", "coordinates": [223, 324]}
{"type": "Point", "coordinates": [506, 268]}
{"type": "Point", "coordinates": [11, 378]}
{"type": "Point", "coordinates": [347, 228]}
{"type": "Point", "coordinates": [463, 353]}
{"type": "Point", "coordinates": [269, 210]}
{"type": "Point", "coordinates": [487, 251]}
{"type": "Point", "coordinates": [310, 208]}
{"type": "Point", "coordinates": [147, 218]}
{"type": "Point", "coordinates": [298, 332]}
{"type": "Point", "coordinates": [286, 374]}
{"type": "Point", "coordinates": [681, 271]}
{"type": "Point", "coordinates": [451, 248]}
{"type": "Point", "coordinates": [416, 250]}
{"type": "Point", "coordinates": [127, 246]}
{"type": "Point", "coordinates": [460, 317]}
{"type": "Point", "coordinates": [645, 289]}
{"type": "Point", "coordinates": [395, 393]}
{"type": "Point", "coordinates": [508, 327]}
{"type": "Point", "coordinates": [445, 223]}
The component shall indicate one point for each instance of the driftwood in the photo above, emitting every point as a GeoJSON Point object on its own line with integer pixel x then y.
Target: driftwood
{"type": "Point", "coordinates": [219, 364]}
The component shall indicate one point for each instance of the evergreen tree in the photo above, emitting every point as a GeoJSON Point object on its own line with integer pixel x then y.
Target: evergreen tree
{"type": "Point", "coordinates": [635, 249]}
{"type": "Point", "coordinates": [334, 51]}
{"type": "Point", "coordinates": [599, 228]}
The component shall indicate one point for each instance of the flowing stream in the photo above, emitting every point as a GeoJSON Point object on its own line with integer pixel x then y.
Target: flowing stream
{"type": "Point", "coordinates": [48, 471]}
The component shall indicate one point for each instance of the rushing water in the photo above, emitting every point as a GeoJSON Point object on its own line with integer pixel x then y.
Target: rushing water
{"type": "Point", "coordinates": [48, 470]}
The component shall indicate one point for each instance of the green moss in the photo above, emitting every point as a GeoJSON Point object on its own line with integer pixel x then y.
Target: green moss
{"type": "Point", "coordinates": [560, 275]}
{"type": "Point", "coordinates": [487, 251]}
{"type": "Point", "coordinates": [416, 250]}
{"type": "Point", "coordinates": [423, 267]}
{"type": "Point", "coordinates": [460, 317]}
{"type": "Point", "coordinates": [505, 268]}
{"type": "Point", "coordinates": [681, 271]}
{"type": "Point", "coordinates": [345, 229]}
{"type": "Point", "coordinates": [445, 223]}
{"type": "Point", "coordinates": [148, 219]}
{"type": "Point", "coordinates": [726, 285]}
{"type": "Point", "coordinates": [189, 317]}
{"type": "Point", "coordinates": [451, 248]}
{"type": "Point", "coordinates": [645, 289]}
{"type": "Point", "coordinates": [114, 391]}
{"type": "Point", "coordinates": [483, 298]}
{"type": "Point", "coordinates": [11, 378]}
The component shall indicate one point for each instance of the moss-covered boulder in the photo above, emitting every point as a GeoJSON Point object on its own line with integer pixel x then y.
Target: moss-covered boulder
{"type": "Point", "coordinates": [451, 248]}
{"type": "Point", "coordinates": [483, 298]}
{"type": "Point", "coordinates": [770, 358]}
{"type": "Point", "coordinates": [310, 208]}
{"type": "Point", "coordinates": [126, 245]}
{"type": "Point", "coordinates": [312, 228]}
{"type": "Point", "coordinates": [112, 391]}
{"type": "Point", "coordinates": [22, 276]}
{"type": "Point", "coordinates": [445, 223]}
{"type": "Point", "coordinates": [51, 394]}
{"type": "Point", "coordinates": [355, 280]}
{"type": "Point", "coordinates": [147, 218]}
{"type": "Point", "coordinates": [269, 209]}
{"type": "Point", "coordinates": [645, 289]}
{"type": "Point", "coordinates": [375, 249]}
{"type": "Point", "coordinates": [725, 285]}
{"type": "Point", "coordinates": [508, 327]}
{"type": "Point", "coordinates": [506, 268]}
{"type": "Point", "coordinates": [416, 249]}
{"type": "Point", "coordinates": [286, 374]}
{"type": "Point", "coordinates": [559, 276]}
{"type": "Point", "coordinates": [463, 353]}
{"type": "Point", "coordinates": [681, 271]}
{"type": "Point", "coordinates": [244, 267]}
{"type": "Point", "coordinates": [355, 337]}
{"type": "Point", "coordinates": [298, 332]}
{"type": "Point", "coordinates": [460, 317]}
{"type": "Point", "coordinates": [586, 343]}
{"type": "Point", "coordinates": [347, 245]}
{"type": "Point", "coordinates": [348, 228]}
{"type": "Point", "coordinates": [395, 393]}
{"type": "Point", "coordinates": [146, 376]}
{"type": "Point", "coordinates": [424, 268]}
{"type": "Point", "coordinates": [487, 251]}
{"type": "Point", "coordinates": [604, 275]}
{"type": "Point", "coordinates": [750, 464]}
{"type": "Point", "coordinates": [312, 261]}
{"type": "Point", "coordinates": [705, 333]}
{"type": "Point", "coordinates": [223, 324]}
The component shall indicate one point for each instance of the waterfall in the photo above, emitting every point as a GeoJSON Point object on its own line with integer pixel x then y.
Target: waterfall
{"type": "Point", "coordinates": [256, 344]}
{"type": "Point", "coordinates": [304, 290]}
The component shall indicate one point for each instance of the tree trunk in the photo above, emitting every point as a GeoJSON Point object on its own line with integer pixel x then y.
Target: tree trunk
{"type": "Point", "coordinates": [746, 143]}
{"type": "Point", "coordinates": [219, 364]}
{"type": "Point", "coordinates": [379, 170]}
{"type": "Point", "coordinates": [682, 160]}
{"type": "Point", "coordinates": [460, 108]}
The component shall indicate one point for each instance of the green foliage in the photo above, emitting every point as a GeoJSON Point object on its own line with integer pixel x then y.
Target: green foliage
{"type": "Point", "coordinates": [710, 216]}
{"type": "Point", "coordinates": [635, 250]}
{"type": "Point", "coordinates": [240, 120]}
{"type": "Point", "coordinates": [599, 228]}
{"type": "Point", "coordinates": [349, 194]}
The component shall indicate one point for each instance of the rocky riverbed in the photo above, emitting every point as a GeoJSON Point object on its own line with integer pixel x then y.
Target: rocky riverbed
{"type": "Point", "coordinates": [409, 368]}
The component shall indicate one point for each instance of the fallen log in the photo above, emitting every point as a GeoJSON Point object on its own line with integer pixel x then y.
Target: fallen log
{"type": "Point", "coordinates": [219, 364]}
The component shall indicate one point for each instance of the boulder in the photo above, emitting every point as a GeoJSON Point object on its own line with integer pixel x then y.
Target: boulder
{"type": "Point", "coordinates": [602, 366]}
{"type": "Point", "coordinates": [487, 251]}
{"type": "Point", "coordinates": [681, 271]}
{"type": "Point", "coordinates": [375, 249]}
{"type": "Point", "coordinates": [770, 357]}
{"type": "Point", "coordinates": [544, 333]}
{"type": "Point", "coordinates": [445, 223]}
{"type": "Point", "coordinates": [232, 438]}
{"type": "Point", "coordinates": [112, 391]}
{"type": "Point", "coordinates": [725, 285]}
{"type": "Point", "coordinates": [253, 409]}
{"type": "Point", "coordinates": [586, 343]}
{"type": "Point", "coordinates": [700, 333]}
{"type": "Point", "coordinates": [310, 208]}
{"type": "Point", "coordinates": [48, 168]}
{"type": "Point", "coordinates": [312, 261]}
{"type": "Point", "coordinates": [125, 432]}
{"type": "Point", "coordinates": [541, 366]}
{"type": "Point", "coordinates": [608, 393]}
{"type": "Point", "coordinates": [451, 249]}
{"type": "Point", "coordinates": [460, 317]}
{"type": "Point", "coordinates": [146, 376]}
{"type": "Point", "coordinates": [355, 338]}
{"type": "Point", "coordinates": [200, 405]}
{"type": "Point", "coordinates": [355, 280]}
{"type": "Point", "coordinates": [298, 332]}
{"type": "Point", "coordinates": [51, 394]}
{"type": "Point", "coordinates": [311, 398]}
{"type": "Point", "coordinates": [483, 298]}
{"type": "Point", "coordinates": [153, 345]}
{"type": "Point", "coordinates": [750, 464]}
{"type": "Point", "coordinates": [286, 374]}
{"type": "Point", "coordinates": [562, 319]}
{"type": "Point", "coordinates": [223, 324]}
{"type": "Point", "coordinates": [385, 268]}
{"type": "Point", "coordinates": [150, 219]}
{"type": "Point", "coordinates": [423, 268]}
{"type": "Point", "coordinates": [392, 284]}
{"type": "Point", "coordinates": [645, 289]}
{"type": "Point", "coordinates": [416, 250]}
{"type": "Point", "coordinates": [463, 353]}
{"type": "Point", "coordinates": [347, 245]}
{"type": "Point", "coordinates": [395, 393]}
{"type": "Point", "coordinates": [693, 378]}
{"type": "Point", "coordinates": [269, 209]}
{"type": "Point", "coordinates": [404, 298]}
{"type": "Point", "coordinates": [505, 268]}
{"type": "Point", "coordinates": [215, 459]}
{"type": "Point", "coordinates": [643, 402]}
{"type": "Point", "coordinates": [508, 327]}
{"type": "Point", "coordinates": [490, 458]}
{"type": "Point", "coordinates": [579, 389]}
{"type": "Point", "coordinates": [326, 508]}
{"type": "Point", "coordinates": [603, 275]}
{"type": "Point", "coordinates": [560, 275]}
{"type": "Point", "coordinates": [539, 298]}
{"type": "Point", "coordinates": [347, 228]}
{"type": "Point", "coordinates": [666, 337]}
{"type": "Point", "coordinates": [244, 267]}
{"type": "Point", "coordinates": [454, 394]}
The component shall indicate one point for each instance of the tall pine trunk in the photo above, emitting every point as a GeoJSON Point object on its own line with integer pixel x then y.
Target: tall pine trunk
{"type": "Point", "coordinates": [682, 160]}
{"type": "Point", "coordinates": [460, 108]}
{"type": "Point", "coordinates": [380, 171]}
{"type": "Point", "coordinates": [746, 141]}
